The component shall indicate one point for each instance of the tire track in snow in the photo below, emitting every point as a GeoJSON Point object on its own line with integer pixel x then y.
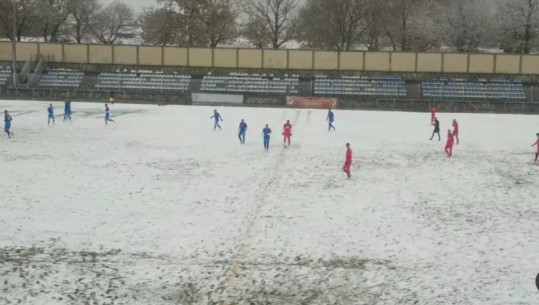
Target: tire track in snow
{"type": "Point", "coordinates": [254, 227]}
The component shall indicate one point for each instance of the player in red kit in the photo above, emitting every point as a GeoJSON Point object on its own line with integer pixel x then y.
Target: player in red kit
{"type": "Point", "coordinates": [449, 144]}
{"type": "Point", "coordinates": [456, 130]}
{"type": "Point", "coordinates": [537, 152]}
{"type": "Point", "coordinates": [348, 162]}
{"type": "Point", "coordinates": [432, 114]}
{"type": "Point", "coordinates": [287, 132]}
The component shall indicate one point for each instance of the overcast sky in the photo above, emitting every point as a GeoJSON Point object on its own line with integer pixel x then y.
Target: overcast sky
{"type": "Point", "coordinates": [137, 5]}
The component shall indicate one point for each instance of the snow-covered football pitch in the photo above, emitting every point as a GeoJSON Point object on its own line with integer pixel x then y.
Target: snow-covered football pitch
{"type": "Point", "coordinates": [160, 209]}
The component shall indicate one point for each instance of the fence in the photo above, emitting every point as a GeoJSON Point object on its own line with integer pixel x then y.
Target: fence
{"type": "Point", "coordinates": [351, 61]}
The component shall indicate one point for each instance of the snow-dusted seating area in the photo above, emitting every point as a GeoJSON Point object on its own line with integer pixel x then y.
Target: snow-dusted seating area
{"type": "Point", "coordinates": [389, 86]}
{"type": "Point", "coordinates": [474, 89]}
{"type": "Point", "coordinates": [61, 78]}
{"type": "Point", "coordinates": [251, 83]}
{"type": "Point", "coordinates": [144, 80]}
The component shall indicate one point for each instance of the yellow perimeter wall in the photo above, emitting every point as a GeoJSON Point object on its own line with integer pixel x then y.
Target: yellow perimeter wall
{"type": "Point", "coordinates": [400, 62]}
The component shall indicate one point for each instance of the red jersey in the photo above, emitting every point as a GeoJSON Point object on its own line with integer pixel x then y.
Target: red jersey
{"type": "Point", "coordinates": [349, 155]}
{"type": "Point", "coordinates": [455, 127]}
{"type": "Point", "coordinates": [432, 110]}
{"type": "Point", "coordinates": [450, 140]}
{"type": "Point", "coordinates": [287, 129]}
{"type": "Point", "coordinates": [537, 143]}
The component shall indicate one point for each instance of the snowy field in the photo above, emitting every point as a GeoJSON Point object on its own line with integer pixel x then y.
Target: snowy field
{"type": "Point", "coordinates": [160, 209]}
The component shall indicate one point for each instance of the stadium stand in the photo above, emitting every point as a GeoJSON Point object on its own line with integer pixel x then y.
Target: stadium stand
{"type": "Point", "coordinates": [387, 86]}
{"type": "Point", "coordinates": [60, 78]}
{"type": "Point", "coordinates": [5, 73]}
{"type": "Point", "coordinates": [144, 80]}
{"type": "Point", "coordinates": [251, 83]}
{"type": "Point", "coordinates": [474, 89]}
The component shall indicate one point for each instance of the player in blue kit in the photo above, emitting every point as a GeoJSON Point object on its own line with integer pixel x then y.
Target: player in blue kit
{"type": "Point", "coordinates": [50, 111]}
{"type": "Point", "coordinates": [266, 132]}
{"type": "Point", "coordinates": [7, 124]}
{"type": "Point", "coordinates": [241, 131]}
{"type": "Point", "coordinates": [107, 115]}
{"type": "Point", "coordinates": [67, 110]}
{"type": "Point", "coordinates": [330, 119]}
{"type": "Point", "coordinates": [217, 117]}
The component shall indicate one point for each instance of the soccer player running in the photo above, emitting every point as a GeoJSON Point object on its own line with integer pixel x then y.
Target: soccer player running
{"type": "Point", "coordinates": [287, 132]}
{"type": "Point", "coordinates": [67, 110]}
{"type": "Point", "coordinates": [449, 144]}
{"type": "Point", "coordinates": [107, 115]}
{"type": "Point", "coordinates": [266, 133]}
{"type": "Point", "coordinates": [241, 131]}
{"type": "Point", "coordinates": [436, 129]}
{"type": "Point", "coordinates": [330, 119]}
{"type": "Point", "coordinates": [536, 143]}
{"type": "Point", "coordinates": [50, 111]}
{"type": "Point", "coordinates": [217, 118]}
{"type": "Point", "coordinates": [7, 124]}
{"type": "Point", "coordinates": [348, 162]}
{"type": "Point", "coordinates": [456, 130]}
{"type": "Point", "coordinates": [432, 114]}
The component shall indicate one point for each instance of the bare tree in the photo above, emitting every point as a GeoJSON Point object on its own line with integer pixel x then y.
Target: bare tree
{"type": "Point", "coordinates": [203, 22]}
{"type": "Point", "coordinates": [188, 19]}
{"type": "Point", "coordinates": [159, 26]}
{"type": "Point", "coordinates": [466, 24]}
{"type": "Point", "coordinates": [257, 32]}
{"type": "Point", "coordinates": [336, 24]}
{"type": "Point", "coordinates": [25, 10]}
{"type": "Point", "coordinates": [276, 15]}
{"type": "Point", "coordinates": [111, 21]}
{"type": "Point", "coordinates": [83, 14]}
{"type": "Point", "coordinates": [423, 33]}
{"type": "Point", "coordinates": [219, 18]}
{"type": "Point", "coordinates": [409, 24]}
{"type": "Point", "coordinates": [52, 16]}
{"type": "Point", "coordinates": [374, 20]}
{"type": "Point", "coordinates": [520, 19]}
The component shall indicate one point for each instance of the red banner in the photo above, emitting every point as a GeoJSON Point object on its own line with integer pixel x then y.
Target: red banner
{"type": "Point", "coordinates": [311, 102]}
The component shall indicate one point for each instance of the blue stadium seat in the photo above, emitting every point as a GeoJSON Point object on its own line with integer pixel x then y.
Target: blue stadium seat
{"type": "Point", "coordinates": [61, 78]}
{"type": "Point", "coordinates": [474, 89]}
{"type": "Point", "coordinates": [144, 79]}
{"type": "Point", "coordinates": [384, 86]}
{"type": "Point", "coordinates": [251, 83]}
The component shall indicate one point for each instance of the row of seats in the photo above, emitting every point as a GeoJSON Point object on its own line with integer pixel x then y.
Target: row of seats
{"type": "Point", "coordinates": [142, 79]}
{"type": "Point", "coordinates": [63, 78]}
{"type": "Point", "coordinates": [5, 73]}
{"type": "Point", "coordinates": [389, 86]}
{"type": "Point", "coordinates": [251, 83]}
{"type": "Point", "coordinates": [360, 86]}
{"type": "Point", "coordinates": [474, 89]}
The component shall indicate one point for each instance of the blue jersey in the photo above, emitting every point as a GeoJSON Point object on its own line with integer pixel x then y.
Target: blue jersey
{"type": "Point", "coordinates": [8, 119]}
{"type": "Point", "coordinates": [50, 111]}
{"type": "Point", "coordinates": [217, 117]}
{"type": "Point", "coordinates": [266, 131]}
{"type": "Point", "coordinates": [331, 117]}
{"type": "Point", "coordinates": [243, 127]}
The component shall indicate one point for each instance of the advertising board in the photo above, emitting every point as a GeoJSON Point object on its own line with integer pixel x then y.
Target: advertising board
{"type": "Point", "coordinates": [311, 102]}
